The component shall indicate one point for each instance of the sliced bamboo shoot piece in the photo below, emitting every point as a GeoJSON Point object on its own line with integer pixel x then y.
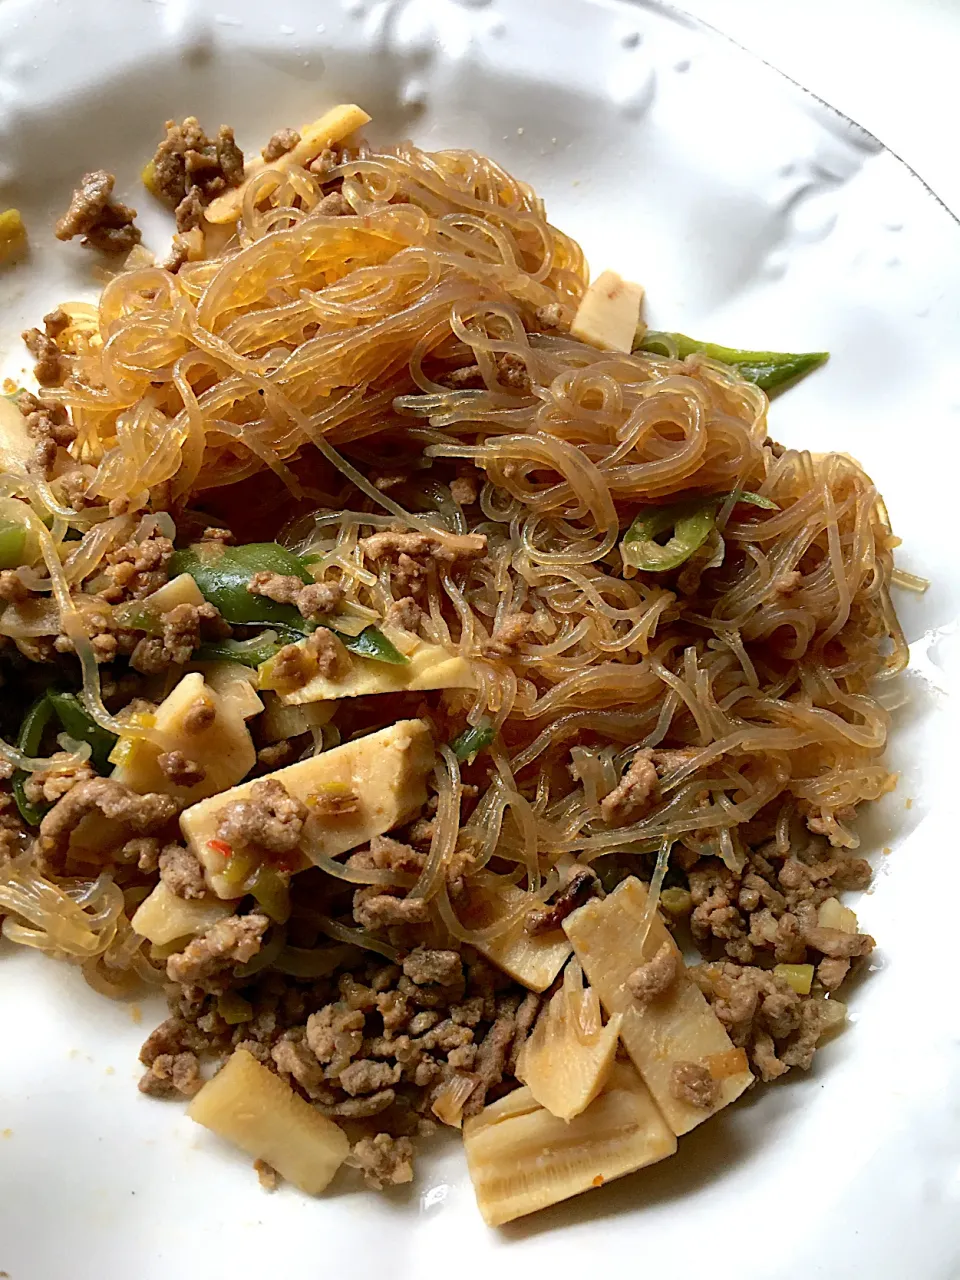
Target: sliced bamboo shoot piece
{"type": "Point", "coordinates": [521, 1158]}
{"type": "Point", "coordinates": [567, 1058]}
{"type": "Point", "coordinates": [162, 917]}
{"type": "Point", "coordinates": [533, 959]}
{"type": "Point", "coordinates": [672, 1037]}
{"type": "Point", "coordinates": [335, 125]}
{"type": "Point", "coordinates": [255, 1110]}
{"type": "Point", "coordinates": [383, 776]}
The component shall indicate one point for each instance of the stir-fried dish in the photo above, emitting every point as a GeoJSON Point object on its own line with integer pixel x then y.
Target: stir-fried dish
{"type": "Point", "coordinates": [411, 662]}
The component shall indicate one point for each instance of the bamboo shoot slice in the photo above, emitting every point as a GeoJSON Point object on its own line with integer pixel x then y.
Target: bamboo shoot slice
{"type": "Point", "coordinates": [676, 1029]}
{"type": "Point", "coordinates": [533, 959]}
{"type": "Point", "coordinates": [162, 917]}
{"type": "Point", "coordinates": [567, 1058]}
{"type": "Point", "coordinates": [521, 1158]}
{"type": "Point", "coordinates": [248, 1105]}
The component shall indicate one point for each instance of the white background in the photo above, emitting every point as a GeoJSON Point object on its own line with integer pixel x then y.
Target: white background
{"type": "Point", "coordinates": [891, 65]}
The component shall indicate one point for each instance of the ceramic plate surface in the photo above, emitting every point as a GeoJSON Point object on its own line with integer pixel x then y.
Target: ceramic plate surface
{"type": "Point", "coordinates": [755, 216]}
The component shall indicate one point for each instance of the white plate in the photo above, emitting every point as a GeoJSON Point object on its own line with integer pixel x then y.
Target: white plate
{"type": "Point", "coordinates": [755, 216]}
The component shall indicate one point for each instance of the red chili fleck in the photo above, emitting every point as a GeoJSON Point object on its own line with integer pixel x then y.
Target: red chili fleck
{"type": "Point", "coordinates": [221, 847]}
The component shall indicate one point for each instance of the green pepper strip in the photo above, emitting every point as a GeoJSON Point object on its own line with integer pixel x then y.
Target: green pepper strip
{"type": "Point", "coordinates": [692, 523]}
{"type": "Point", "coordinates": [372, 643]}
{"type": "Point", "coordinates": [31, 734]}
{"type": "Point", "coordinates": [75, 720]}
{"type": "Point", "coordinates": [472, 741]}
{"type": "Point", "coordinates": [769, 370]}
{"type": "Point", "coordinates": [223, 575]}
{"type": "Point", "coordinates": [13, 540]}
{"type": "Point", "coordinates": [251, 653]}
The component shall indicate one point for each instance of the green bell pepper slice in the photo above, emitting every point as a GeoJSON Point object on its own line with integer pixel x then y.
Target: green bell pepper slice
{"type": "Point", "coordinates": [474, 739]}
{"type": "Point", "coordinates": [222, 574]}
{"type": "Point", "coordinates": [31, 734]}
{"type": "Point", "coordinates": [80, 725]}
{"type": "Point", "coordinates": [771, 371]}
{"type": "Point", "coordinates": [13, 541]}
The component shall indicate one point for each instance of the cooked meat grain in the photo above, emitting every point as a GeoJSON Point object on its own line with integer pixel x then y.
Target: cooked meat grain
{"type": "Point", "coordinates": [635, 791]}
{"type": "Point", "coordinates": [652, 981]}
{"type": "Point", "coordinates": [384, 1161]}
{"type": "Point", "coordinates": [692, 1083]}
{"type": "Point", "coordinates": [232, 941]}
{"type": "Point", "coordinates": [181, 872]}
{"type": "Point", "coordinates": [283, 140]}
{"type": "Point", "coordinates": [580, 887]}
{"type": "Point", "coordinates": [138, 814]}
{"type": "Point", "coordinates": [271, 818]}
{"type": "Point", "coordinates": [104, 223]}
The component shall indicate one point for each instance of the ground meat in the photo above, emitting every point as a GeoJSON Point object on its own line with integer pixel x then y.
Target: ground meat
{"type": "Point", "coordinates": [199, 717]}
{"type": "Point", "coordinates": [49, 369]}
{"type": "Point", "coordinates": [549, 316]}
{"type": "Point", "coordinates": [374, 908]}
{"type": "Point", "coordinates": [293, 1057]}
{"type": "Point", "coordinates": [772, 905]}
{"type": "Point", "coordinates": [181, 872]}
{"type": "Point", "coordinates": [764, 1015]}
{"type": "Point", "coordinates": [425, 965]}
{"type": "Point", "coordinates": [12, 589]}
{"type": "Point", "coordinates": [654, 979]}
{"type": "Point", "coordinates": [104, 223]}
{"type": "Point", "coordinates": [46, 419]}
{"type": "Point", "coordinates": [404, 613]}
{"type": "Point", "coordinates": [172, 1076]}
{"type": "Point", "coordinates": [277, 755]}
{"type": "Point", "coordinates": [187, 160]}
{"type": "Point", "coordinates": [464, 490]}
{"type": "Point", "coordinates": [139, 814]}
{"type": "Point", "coordinates": [48, 785]}
{"type": "Point", "coordinates": [284, 588]}
{"type": "Point", "coordinates": [509, 635]}
{"type": "Point", "coordinates": [319, 598]}
{"type": "Point", "coordinates": [313, 599]}
{"type": "Point", "coordinates": [526, 1017]}
{"type": "Point", "coordinates": [271, 818]}
{"type": "Point", "coordinates": [409, 555]}
{"type": "Point", "coordinates": [787, 582]}
{"type": "Point", "coordinates": [283, 140]}
{"type": "Point", "coordinates": [831, 972]}
{"type": "Point", "coordinates": [333, 205]}
{"type": "Point", "coordinates": [635, 791]}
{"type": "Point", "coordinates": [692, 1083]}
{"type": "Point", "coordinates": [335, 1036]}
{"type": "Point", "coordinates": [581, 886]}
{"type": "Point", "coordinates": [368, 1076]}
{"type": "Point", "coordinates": [267, 1176]}
{"type": "Point", "coordinates": [492, 1056]}
{"type": "Point", "coordinates": [13, 834]}
{"type": "Point", "coordinates": [384, 1161]}
{"type": "Point", "coordinates": [181, 771]}
{"type": "Point", "coordinates": [137, 569]}
{"type": "Point", "coordinates": [232, 941]}
{"type": "Point", "coordinates": [512, 372]}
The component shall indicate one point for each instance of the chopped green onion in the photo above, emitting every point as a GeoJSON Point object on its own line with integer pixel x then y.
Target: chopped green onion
{"type": "Point", "coordinates": [769, 370]}
{"type": "Point", "coordinates": [372, 643]}
{"type": "Point", "coordinates": [13, 540]}
{"type": "Point", "coordinates": [31, 735]}
{"type": "Point", "coordinates": [79, 724]}
{"type": "Point", "coordinates": [472, 741]}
